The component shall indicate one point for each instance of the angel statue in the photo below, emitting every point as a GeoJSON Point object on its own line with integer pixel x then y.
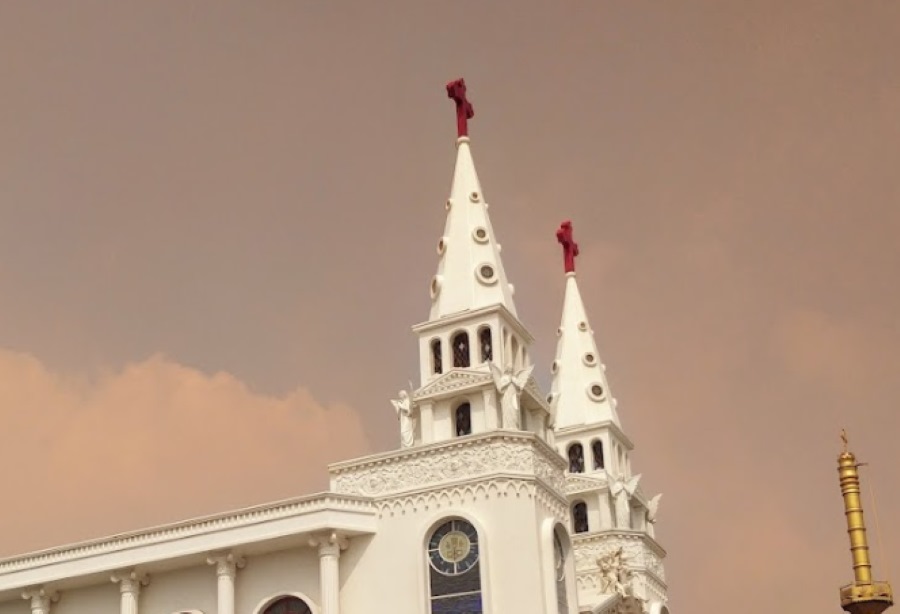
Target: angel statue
{"type": "Point", "coordinates": [622, 490]}
{"type": "Point", "coordinates": [613, 574]}
{"type": "Point", "coordinates": [510, 385]}
{"type": "Point", "coordinates": [652, 510]}
{"type": "Point", "coordinates": [404, 407]}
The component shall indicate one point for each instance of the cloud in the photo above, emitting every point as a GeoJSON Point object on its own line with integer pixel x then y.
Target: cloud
{"type": "Point", "coordinates": [152, 442]}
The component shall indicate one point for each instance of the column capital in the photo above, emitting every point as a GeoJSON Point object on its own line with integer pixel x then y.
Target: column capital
{"type": "Point", "coordinates": [227, 563]}
{"type": "Point", "coordinates": [329, 544]}
{"type": "Point", "coordinates": [40, 597]}
{"type": "Point", "coordinates": [130, 581]}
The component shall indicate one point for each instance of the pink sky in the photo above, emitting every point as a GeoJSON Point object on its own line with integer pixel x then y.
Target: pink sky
{"type": "Point", "coordinates": [223, 213]}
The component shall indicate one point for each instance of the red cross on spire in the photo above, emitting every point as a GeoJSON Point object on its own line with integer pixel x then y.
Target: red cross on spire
{"type": "Point", "coordinates": [570, 247]}
{"type": "Point", "coordinates": [464, 111]}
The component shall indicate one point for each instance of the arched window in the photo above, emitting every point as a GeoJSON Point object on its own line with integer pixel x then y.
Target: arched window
{"type": "Point", "coordinates": [579, 517]}
{"type": "Point", "coordinates": [597, 449]}
{"type": "Point", "coordinates": [461, 349]}
{"type": "Point", "coordinates": [484, 340]}
{"type": "Point", "coordinates": [576, 458]}
{"type": "Point", "coordinates": [462, 420]}
{"type": "Point", "coordinates": [437, 359]}
{"type": "Point", "coordinates": [559, 560]}
{"type": "Point", "coordinates": [514, 352]}
{"type": "Point", "coordinates": [288, 605]}
{"type": "Point", "coordinates": [454, 569]}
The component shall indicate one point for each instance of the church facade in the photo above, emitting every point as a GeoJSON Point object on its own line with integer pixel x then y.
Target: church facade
{"type": "Point", "coordinates": [500, 498]}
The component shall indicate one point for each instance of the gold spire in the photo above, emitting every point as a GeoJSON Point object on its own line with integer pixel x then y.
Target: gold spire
{"type": "Point", "coordinates": [863, 596]}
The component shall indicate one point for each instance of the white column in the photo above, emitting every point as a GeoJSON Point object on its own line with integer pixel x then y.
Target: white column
{"type": "Point", "coordinates": [40, 599]}
{"type": "Point", "coordinates": [226, 569]}
{"type": "Point", "coordinates": [130, 583]}
{"type": "Point", "coordinates": [330, 547]}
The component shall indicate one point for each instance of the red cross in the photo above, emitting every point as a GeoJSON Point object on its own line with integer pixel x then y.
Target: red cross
{"type": "Point", "coordinates": [570, 247]}
{"type": "Point", "coordinates": [464, 111]}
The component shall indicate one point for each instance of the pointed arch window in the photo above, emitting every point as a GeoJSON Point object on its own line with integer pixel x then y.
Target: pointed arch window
{"type": "Point", "coordinates": [484, 341]}
{"type": "Point", "coordinates": [437, 358]}
{"type": "Point", "coordinates": [576, 458]}
{"type": "Point", "coordinates": [462, 420]}
{"type": "Point", "coordinates": [580, 517]}
{"type": "Point", "coordinates": [288, 605]}
{"type": "Point", "coordinates": [461, 349]}
{"type": "Point", "coordinates": [454, 569]}
{"type": "Point", "coordinates": [597, 450]}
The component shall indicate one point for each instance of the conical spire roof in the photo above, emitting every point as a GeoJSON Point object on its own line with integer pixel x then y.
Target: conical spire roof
{"type": "Point", "coordinates": [580, 393]}
{"type": "Point", "coordinates": [470, 272]}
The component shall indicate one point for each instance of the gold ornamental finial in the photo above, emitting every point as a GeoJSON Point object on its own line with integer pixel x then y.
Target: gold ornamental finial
{"type": "Point", "coordinates": [864, 595]}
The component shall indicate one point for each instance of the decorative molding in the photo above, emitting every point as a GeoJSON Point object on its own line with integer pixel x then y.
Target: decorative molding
{"type": "Point", "coordinates": [329, 544]}
{"type": "Point", "coordinates": [642, 552]}
{"type": "Point", "coordinates": [578, 483]}
{"type": "Point", "coordinates": [469, 492]}
{"type": "Point", "coordinates": [188, 528]}
{"type": "Point", "coordinates": [40, 597]}
{"type": "Point", "coordinates": [453, 381]}
{"type": "Point", "coordinates": [517, 453]}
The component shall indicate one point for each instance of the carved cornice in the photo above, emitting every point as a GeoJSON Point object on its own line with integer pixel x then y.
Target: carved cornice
{"type": "Point", "coordinates": [513, 453]}
{"type": "Point", "coordinates": [189, 528]}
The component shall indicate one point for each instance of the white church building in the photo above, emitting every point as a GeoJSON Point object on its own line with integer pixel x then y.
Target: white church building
{"type": "Point", "coordinates": [501, 498]}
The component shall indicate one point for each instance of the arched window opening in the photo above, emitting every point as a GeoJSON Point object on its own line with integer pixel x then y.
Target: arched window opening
{"type": "Point", "coordinates": [559, 560]}
{"type": "Point", "coordinates": [576, 458]}
{"type": "Point", "coordinates": [597, 449]}
{"type": "Point", "coordinates": [437, 358]}
{"type": "Point", "coordinates": [288, 605]}
{"type": "Point", "coordinates": [514, 353]}
{"type": "Point", "coordinates": [461, 349]}
{"type": "Point", "coordinates": [462, 420]}
{"type": "Point", "coordinates": [484, 340]}
{"type": "Point", "coordinates": [454, 569]}
{"type": "Point", "coordinates": [580, 517]}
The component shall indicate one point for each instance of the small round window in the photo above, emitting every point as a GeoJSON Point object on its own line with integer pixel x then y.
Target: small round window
{"type": "Point", "coordinates": [590, 359]}
{"type": "Point", "coordinates": [480, 234]}
{"type": "Point", "coordinates": [582, 325]}
{"type": "Point", "coordinates": [448, 205]}
{"type": "Point", "coordinates": [442, 245]}
{"type": "Point", "coordinates": [596, 392]}
{"type": "Point", "coordinates": [486, 273]}
{"type": "Point", "coordinates": [554, 367]}
{"type": "Point", "coordinates": [474, 197]}
{"type": "Point", "coordinates": [435, 286]}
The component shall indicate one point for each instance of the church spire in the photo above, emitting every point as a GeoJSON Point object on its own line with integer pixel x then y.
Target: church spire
{"type": "Point", "coordinates": [470, 273]}
{"type": "Point", "coordinates": [864, 595]}
{"type": "Point", "coordinates": [579, 393]}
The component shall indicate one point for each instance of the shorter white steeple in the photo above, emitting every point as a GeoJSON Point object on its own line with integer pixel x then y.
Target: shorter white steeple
{"type": "Point", "coordinates": [580, 393]}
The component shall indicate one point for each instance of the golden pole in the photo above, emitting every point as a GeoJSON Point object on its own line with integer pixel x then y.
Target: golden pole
{"type": "Point", "coordinates": [863, 596]}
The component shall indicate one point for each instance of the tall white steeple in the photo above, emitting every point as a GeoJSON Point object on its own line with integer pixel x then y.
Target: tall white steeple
{"type": "Point", "coordinates": [475, 371]}
{"type": "Point", "coordinates": [609, 509]}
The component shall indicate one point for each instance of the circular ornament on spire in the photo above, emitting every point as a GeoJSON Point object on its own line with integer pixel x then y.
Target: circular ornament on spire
{"type": "Point", "coordinates": [436, 283]}
{"type": "Point", "coordinates": [480, 234]}
{"type": "Point", "coordinates": [474, 197]}
{"type": "Point", "coordinates": [595, 391]}
{"type": "Point", "coordinates": [486, 274]}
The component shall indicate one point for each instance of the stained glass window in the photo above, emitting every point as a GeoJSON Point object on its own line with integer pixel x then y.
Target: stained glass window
{"type": "Point", "coordinates": [463, 420]}
{"type": "Point", "coordinates": [576, 458]}
{"type": "Point", "coordinates": [454, 566]}
{"type": "Point", "coordinates": [288, 605]}
{"type": "Point", "coordinates": [484, 340]}
{"type": "Point", "coordinates": [437, 360]}
{"type": "Point", "coordinates": [461, 350]}
{"type": "Point", "coordinates": [597, 449]}
{"type": "Point", "coordinates": [580, 517]}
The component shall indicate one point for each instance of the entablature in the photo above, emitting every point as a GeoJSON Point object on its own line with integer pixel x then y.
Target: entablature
{"type": "Point", "coordinates": [272, 526]}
